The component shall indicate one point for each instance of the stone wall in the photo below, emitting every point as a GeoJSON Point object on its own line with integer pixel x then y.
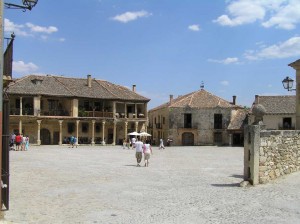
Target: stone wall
{"type": "Point", "coordinates": [279, 154]}
{"type": "Point", "coordinates": [270, 154]}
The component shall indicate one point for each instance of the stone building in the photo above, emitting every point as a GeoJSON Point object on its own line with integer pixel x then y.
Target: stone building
{"type": "Point", "coordinates": [198, 118]}
{"type": "Point", "coordinates": [280, 112]}
{"type": "Point", "coordinates": [50, 108]}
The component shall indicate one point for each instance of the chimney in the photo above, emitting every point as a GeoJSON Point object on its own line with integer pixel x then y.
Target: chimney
{"type": "Point", "coordinates": [171, 99]}
{"type": "Point", "coordinates": [89, 81]}
{"type": "Point", "coordinates": [133, 88]}
{"type": "Point", "coordinates": [233, 100]}
{"type": "Point", "coordinates": [256, 99]}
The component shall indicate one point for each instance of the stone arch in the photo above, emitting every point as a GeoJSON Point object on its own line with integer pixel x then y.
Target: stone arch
{"type": "Point", "coordinates": [188, 138]}
{"type": "Point", "coordinates": [45, 137]}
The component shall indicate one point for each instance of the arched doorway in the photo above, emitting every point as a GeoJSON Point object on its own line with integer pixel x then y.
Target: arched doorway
{"type": "Point", "coordinates": [45, 137]}
{"type": "Point", "coordinates": [188, 138]}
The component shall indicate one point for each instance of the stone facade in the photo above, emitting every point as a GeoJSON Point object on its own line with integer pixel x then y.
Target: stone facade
{"type": "Point", "coordinates": [270, 154]}
{"type": "Point", "coordinates": [49, 109]}
{"type": "Point", "coordinates": [279, 154]}
{"type": "Point", "coordinates": [198, 118]}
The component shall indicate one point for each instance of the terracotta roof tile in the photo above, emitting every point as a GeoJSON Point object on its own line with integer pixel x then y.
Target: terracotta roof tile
{"type": "Point", "coordinates": [198, 99]}
{"type": "Point", "coordinates": [278, 104]}
{"type": "Point", "coordinates": [71, 87]}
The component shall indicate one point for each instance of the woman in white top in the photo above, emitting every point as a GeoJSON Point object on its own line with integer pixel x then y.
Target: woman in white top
{"type": "Point", "coordinates": [147, 150]}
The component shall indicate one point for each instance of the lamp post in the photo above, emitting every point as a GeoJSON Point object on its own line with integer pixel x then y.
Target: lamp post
{"type": "Point", "coordinates": [26, 5]}
{"type": "Point", "coordinates": [296, 65]}
{"type": "Point", "coordinates": [288, 84]}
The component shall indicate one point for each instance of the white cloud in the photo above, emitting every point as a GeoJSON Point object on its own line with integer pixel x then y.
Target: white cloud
{"type": "Point", "coordinates": [225, 83]}
{"type": "Point", "coordinates": [285, 18]}
{"type": "Point", "coordinates": [225, 61]}
{"type": "Point", "coordinates": [22, 67]}
{"type": "Point", "coordinates": [40, 29]}
{"type": "Point", "coordinates": [62, 39]}
{"type": "Point", "coordinates": [130, 16]}
{"type": "Point", "coordinates": [289, 48]}
{"type": "Point", "coordinates": [242, 12]}
{"type": "Point", "coordinates": [194, 27]}
{"type": "Point", "coordinates": [10, 27]}
{"type": "Point", "coordinates": [28, 29]}
{"type": "Point", "coordinates": [283, 14]}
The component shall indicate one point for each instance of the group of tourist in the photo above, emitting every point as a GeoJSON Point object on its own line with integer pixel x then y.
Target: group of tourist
{"type": "Point", "coordinates": [73, 141]}
{"type": "Point", "coordinates": [19, 142]}
{"type": "Point", "coordinates": [140, 149]}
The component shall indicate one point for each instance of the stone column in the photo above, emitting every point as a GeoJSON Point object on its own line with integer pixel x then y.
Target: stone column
{"type": "Point", "coordinates": [125, 129]}
{"type": "Point", "coordinates": [230, 140]}
{"type": "Point", "coordinates": [77, 130]}
{"type": "Point", "coordinates": [103, 134]}
{"type": "Point", "coordinates": [296, 66]}
{"type": "Point", "coordinates": [39, 132]}
{"type": "Point", "coordinates": [60, 132]}
{"type": "Point", "coordinates": [93, 132]}
{"type": "Point", "coordinates": [75, 108]}
{"type": "Point", "coordinates": [20, 127]}
{"type": "Point", "coordinates": [115, 133]}
{"type": "Point", "coordinates": [146, 111]}
{"type": "Point", "coordinates": [114, 109]}
{"type": "Point", "coordinates": [136, 126]}
{"type": "Point", "coordinates": [21, 106]}
{"type": "Point", "coordinates": [37, 105]}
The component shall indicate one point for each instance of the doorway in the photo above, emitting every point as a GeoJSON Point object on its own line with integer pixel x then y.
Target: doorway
{"type": "Point", "coordinates": [187, 139]}
{"type": "Point", "coordinates": [45, 137]}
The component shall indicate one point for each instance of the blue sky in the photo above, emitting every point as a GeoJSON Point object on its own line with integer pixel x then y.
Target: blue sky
{"type": "Point", "coordinates": [238, 47]}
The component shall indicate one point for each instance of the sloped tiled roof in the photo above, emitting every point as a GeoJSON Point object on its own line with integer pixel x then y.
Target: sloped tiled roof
{"type": "Point", "coordinates": [198, 99]}
{"type": "Point", "coordinates": [238, 120]}
{"type": "Point", "coordinates": [278, 104]}
{"type": "Point", "coordinates": [72, 87]}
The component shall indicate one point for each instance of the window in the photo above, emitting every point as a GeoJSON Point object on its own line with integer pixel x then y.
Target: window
{"type": "Point", "coordinates": [71, 127]}
{"type": "Point", "coordinates": [287, 122]}
{"type": "Point", "coordinates": [86, 105]}
{"type": "Point", "coordinates": [84, 127]}
{"type": "Point", "coordinates": [187, 120]}
{"type": "Point", "coordinates": [98, 128]}
{"type": "Point", "coordinates": [218, 138]}
{"type": "Point", "coordinates": [52, 104]}
{"type": "Point", "coordinates": [98, 106]}
{"type": "Point", "coordinates": [218, 121]}
{"type": "Point", "coordinates": [164, 120]}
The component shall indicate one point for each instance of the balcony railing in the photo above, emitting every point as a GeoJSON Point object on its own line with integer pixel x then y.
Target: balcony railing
{"type": "Point", "coordinates": [54, 113]}
{"type": "Point", "coordinates": [25, 111]}
{"type": "Point", "coordinates": [95, 114]}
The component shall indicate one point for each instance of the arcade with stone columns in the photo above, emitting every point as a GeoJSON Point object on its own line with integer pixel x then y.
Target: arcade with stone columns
{"type": "Point", "coordinates": [48, 110]}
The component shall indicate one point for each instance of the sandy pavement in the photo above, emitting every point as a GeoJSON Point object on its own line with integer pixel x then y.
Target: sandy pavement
{"type": "Point", "coordinates": [184, 185]}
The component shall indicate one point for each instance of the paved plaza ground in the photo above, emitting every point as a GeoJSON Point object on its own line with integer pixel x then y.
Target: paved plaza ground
{"type": "Point", "coordinates": [184, 185]}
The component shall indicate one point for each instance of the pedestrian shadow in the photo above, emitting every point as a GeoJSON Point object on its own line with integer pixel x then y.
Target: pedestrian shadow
{"type": "Point", "coordinates": [130, 165]}
{"type": "Point", "coordinates": [226, 185]}
{"type": "Point", "coordinates": [237, 176]}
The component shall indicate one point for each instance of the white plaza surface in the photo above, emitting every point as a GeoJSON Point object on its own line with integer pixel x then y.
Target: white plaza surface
{"type": "Point", "coordinates": [101, 184]}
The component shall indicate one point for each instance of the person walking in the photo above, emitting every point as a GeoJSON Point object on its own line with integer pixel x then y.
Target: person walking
{"type": "Point", "coordinates": [27, 143]}
{"type": "Point", "coordinates": [18, 141]}
{"type": "Point", "coordinates": [147, 151]}
{"type": "Point", "coordinates": [138, 151]}
{"type": "Point", "coordinates": [161, 144]}
{"type": "Point", "coordinates": [23, 142]}
{"type": "Point", "coordinates": [12, 141]}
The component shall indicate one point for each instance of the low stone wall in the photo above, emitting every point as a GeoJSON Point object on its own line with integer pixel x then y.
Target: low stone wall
{"type": "Point", "coordinates": [279, 154]}
{"type": "Point", "coordinates": [270, 154]}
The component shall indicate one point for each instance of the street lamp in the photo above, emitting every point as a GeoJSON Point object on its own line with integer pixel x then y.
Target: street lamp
{"type": "Point", "coordinates": [288, 84]}
{"type": "Point", "coordinates": [4, 114]}
{"type": "Point", "coordinates": [27, 4]}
